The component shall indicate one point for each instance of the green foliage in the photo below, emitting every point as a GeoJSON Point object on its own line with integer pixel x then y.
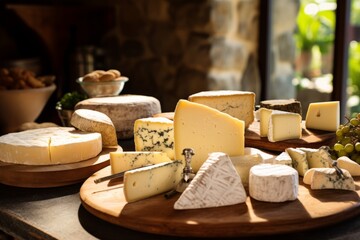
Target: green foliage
{"type": "Point", "coordinates": [69, 100]}
{"type": "Point", "coordinates": [354, 66]}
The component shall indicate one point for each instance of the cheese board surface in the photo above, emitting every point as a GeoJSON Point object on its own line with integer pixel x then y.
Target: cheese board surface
{"type": "Point", "coordinates": [310, 138]}
{"type": "Point", "coordinates": [312, 209]}
{"type": "Point", "coordinates": [42, 176]}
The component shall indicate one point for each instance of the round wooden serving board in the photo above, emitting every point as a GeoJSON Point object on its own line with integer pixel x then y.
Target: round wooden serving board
{"type": "Point", "coordinates": [42, 176]}
{"type": "Point", "coordinates": [253, 218]}
{"type": "Point", "coordinates": [310, 138]}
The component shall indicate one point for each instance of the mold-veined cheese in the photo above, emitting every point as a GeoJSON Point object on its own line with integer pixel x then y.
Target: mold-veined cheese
{"type": "Point", "coordinates": [47, 146]}
{"type": "Point", "coordinates": [283, 158]}
{"type": "Point", "coordinates": [299, 161]}
{"type": "Point", "coordinates": [93, 121]}
{"type": "Point", "coordinates": [273, 183]}
{"type": "Point", "coordinates": [152, 180]}
{"type": "Point", "coordinates": [215, 184]}
{"type": "Point", "coordinates": [154, 134]}
{"type": "Point", "coordinates": [317, 157]}
{"type": "Point", "coordinates": [124, 161]}
{"type": "Point", "coordinates": [206, 130]}
{"type": "Point", "coordinates": [239, 104]}
{"type": "Point", "coordinates": [327, 178]}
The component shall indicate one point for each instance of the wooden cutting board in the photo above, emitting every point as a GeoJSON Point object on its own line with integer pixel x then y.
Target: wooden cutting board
{"type": "Point", "coordinates": [156, 215]}
{"type": "Point", "coordinates": [310, 138]}
{"type": "Point", "coordinates": [33, 176]}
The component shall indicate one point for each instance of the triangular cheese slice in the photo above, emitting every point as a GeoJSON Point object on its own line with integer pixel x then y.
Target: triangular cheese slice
{"type": "Point", "coordinates": [216, 184]}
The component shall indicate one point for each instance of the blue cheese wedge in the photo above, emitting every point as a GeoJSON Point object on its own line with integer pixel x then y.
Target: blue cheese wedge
{"type": "Point", "coordinates": [317, 157]}
{"type": "Point", "coordinates": [299, 160]}
{"type": "Point", "coordinates": [273, 183]}
{"type": "Point", "coordinates": [215, 184]}
{"type": "Point", "coordinates": [154, 134]}
{"type": "Point", "coordinates": [284, 159]}
{"type": "Point", "coordinates": [124, 161]}
{"type": "Point", "coordinates": [152, 180]}
{"type": "Point", "coordinates": [327, 178]}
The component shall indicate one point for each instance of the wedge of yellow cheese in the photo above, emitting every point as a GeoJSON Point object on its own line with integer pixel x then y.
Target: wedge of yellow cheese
{"type": "Point", "coordinates": [206, 130]}
{"type": "Point", "coordinates": [323, 116]}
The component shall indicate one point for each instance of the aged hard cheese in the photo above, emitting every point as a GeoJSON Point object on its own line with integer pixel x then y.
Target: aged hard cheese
{"type": "Point", "coordinates": [284, 126]}
{"type": "Point", "coordinates": [299, 161]}
{"type": "Point", "coordinates": [47, 146]}
{"type": "Point", "coordinates": [152, 180]}
{"type": "Point", "coordinates": [273, 183]}
{"type": "Point", "coordinates": [215, 184]}
{"type": "Point", "coordinates": [154, 134]}
{"type": "Point", "coordinates": [239, 104]}
{"type": "Point", "coordinates": [123, 110]}
{"type": "Point", "coordinates": [124, 161]}
{"type": "Point", "coordinates": [288, 105]}
{"type": "Point", "coordinates": [93, 121]}
{"type": "Point", "coordinates": [206, 130]}
{"type": "Point", "coordinates": [323, 116]}
{"type": "Point", "coordinates": [327, 178]}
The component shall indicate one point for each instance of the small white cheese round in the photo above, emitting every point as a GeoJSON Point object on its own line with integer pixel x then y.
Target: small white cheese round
{"type": "Point", "coordinates": [273, 183]}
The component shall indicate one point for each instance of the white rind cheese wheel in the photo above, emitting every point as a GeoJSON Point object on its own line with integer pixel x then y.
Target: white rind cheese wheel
{"type": "Point", "coordinates": [273, 183]}
{"type": "Point", "coordinates": [48, 146]}
{"type": "Point", "coordinates": [216, 184]}
{"type": "Point", "coordinates": [123, 110]}
{"type": "Point", "coordinates": [93, 121]}
{"type": "Point", "coordinates": [239, 104]}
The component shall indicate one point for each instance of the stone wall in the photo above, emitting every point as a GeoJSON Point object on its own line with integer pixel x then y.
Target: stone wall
{"type": "Point", "coordinates": [173, 48]}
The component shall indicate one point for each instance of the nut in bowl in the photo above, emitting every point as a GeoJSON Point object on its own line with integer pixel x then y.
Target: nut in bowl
{"type": "Point", "coordinates": [101, 83]}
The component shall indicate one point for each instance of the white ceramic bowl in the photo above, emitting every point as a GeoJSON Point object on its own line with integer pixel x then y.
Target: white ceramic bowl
{"type": "Point", "coordinates": [103, 88]}
{"type": "Point", "coordinates": [20, 106]}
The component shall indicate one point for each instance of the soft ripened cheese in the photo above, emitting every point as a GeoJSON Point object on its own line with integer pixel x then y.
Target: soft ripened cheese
{"type": "Point", "coordinates": [273, 183]}
{"type": "Point", "coordinates": [284, 159]}
{"type": "Point", "coordinates": [243, 163]}
{"type": "Point", "coordinates": [317, 157]}
{"type": "Point", "coordinates": [206, 130]}
{"type": "Point", "coordinates": [239, 104]}
{"type": "Point", "coordinates": [308, 176]}
{"type": "Point", "coordinates": [123, 110]}
{"type": "Point", "coordinates": [47, 146]}
{"type": "Point", "coordinates": [323, 116]}
{"type": "Point", "coordinates": [93, 121]}
{"type": "Point", "coordinates": [348, 164]}
{"type": "Point", "coordinates": [215, 184]}
{"type": "Point", "coordinates": [124, 161]}
{"type": "Point", "coordinates": [284, 126]}
{"type": "Point", "coordinates": [152, 180]}
{"type": "Point", "coordinates": [154, 134]}
{"type": "Point", "coordinates": [327, 178]}
{"type": "Point", "coordinates": [264, 115]}
{"type": "Point", "coordinates": [299, 161]}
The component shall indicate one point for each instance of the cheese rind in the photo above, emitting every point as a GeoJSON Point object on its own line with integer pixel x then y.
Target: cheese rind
{"type": "Point", "coordinates": [273, 183]}
{"type": "Point", "coordinates": [48, 146]}
{"type": "Point", "coordinates": [348, 164]}
{"type": "Point", "coordinates": [154, 134]}
{"type": "Point", "coordinates": [216, 184]}
{"type": "Point", "coordinates": [93, 121]}
{"type": "Point", "coordinates": [323, 116]}
{"type": "Point", "coordinates": [206, 130]}
{"type": "Point", "coordinates": [123, 110]}
{"type": "Point", "coordinates": [124, 161]}
{"type": "Point", "coordinates": [327, 178]}
{"type": "Point", "coordinates": [152, 180]}
{"type": "Point", "coordinates": [299, 161]}
{"type": "Point", "coordinates": [239, 104]}
{"type": "Point", "coordinates": [284, 126]}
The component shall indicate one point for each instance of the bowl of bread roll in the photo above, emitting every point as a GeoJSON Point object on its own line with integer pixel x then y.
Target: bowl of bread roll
{"type": "Point", "coordinates": [101, 83]}
{"type": "Point", "coordinates": [23, 96]}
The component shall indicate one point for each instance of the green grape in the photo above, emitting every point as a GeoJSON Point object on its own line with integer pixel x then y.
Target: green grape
{"type": "Point", "coordinates": [339, 133]}
{"type": "Point", "coordinates": [357, 131]}
{"type": "Point", "coordinates": [355, 121]}
{"type": "Point", "coordinates": [357, 146]}
{"type": "Point", "coordinates": [342, 153]}
{"type": "Point", "coordinates": [345, 129]}
{"type": "Point", "coordinates": [345, 140]}
{"type": "Point", "coordinates": [339, 138]}
{"type": "Point", "coordinates": [349, 148]}
{"type": "Point", "coordinates": [338, 147]}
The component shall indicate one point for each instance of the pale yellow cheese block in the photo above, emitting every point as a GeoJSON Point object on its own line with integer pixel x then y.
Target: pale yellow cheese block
{"type": "Point", "coordinates": [284, 126]}
{"type": "Point", "coordinates": [124, 161]}
{"type": "Point", "coordinates": [323, 116]}
{"type": "Point", "coordinates": [47, 146]}
{"type": "Point", "coordinates": [206, 130]}
{"type": "Point", "coordinates": [264, 121]}
{"type": "Point", "coordinates": [239, 104]}
{"type": "Point", "coordinates": [94, 121]}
